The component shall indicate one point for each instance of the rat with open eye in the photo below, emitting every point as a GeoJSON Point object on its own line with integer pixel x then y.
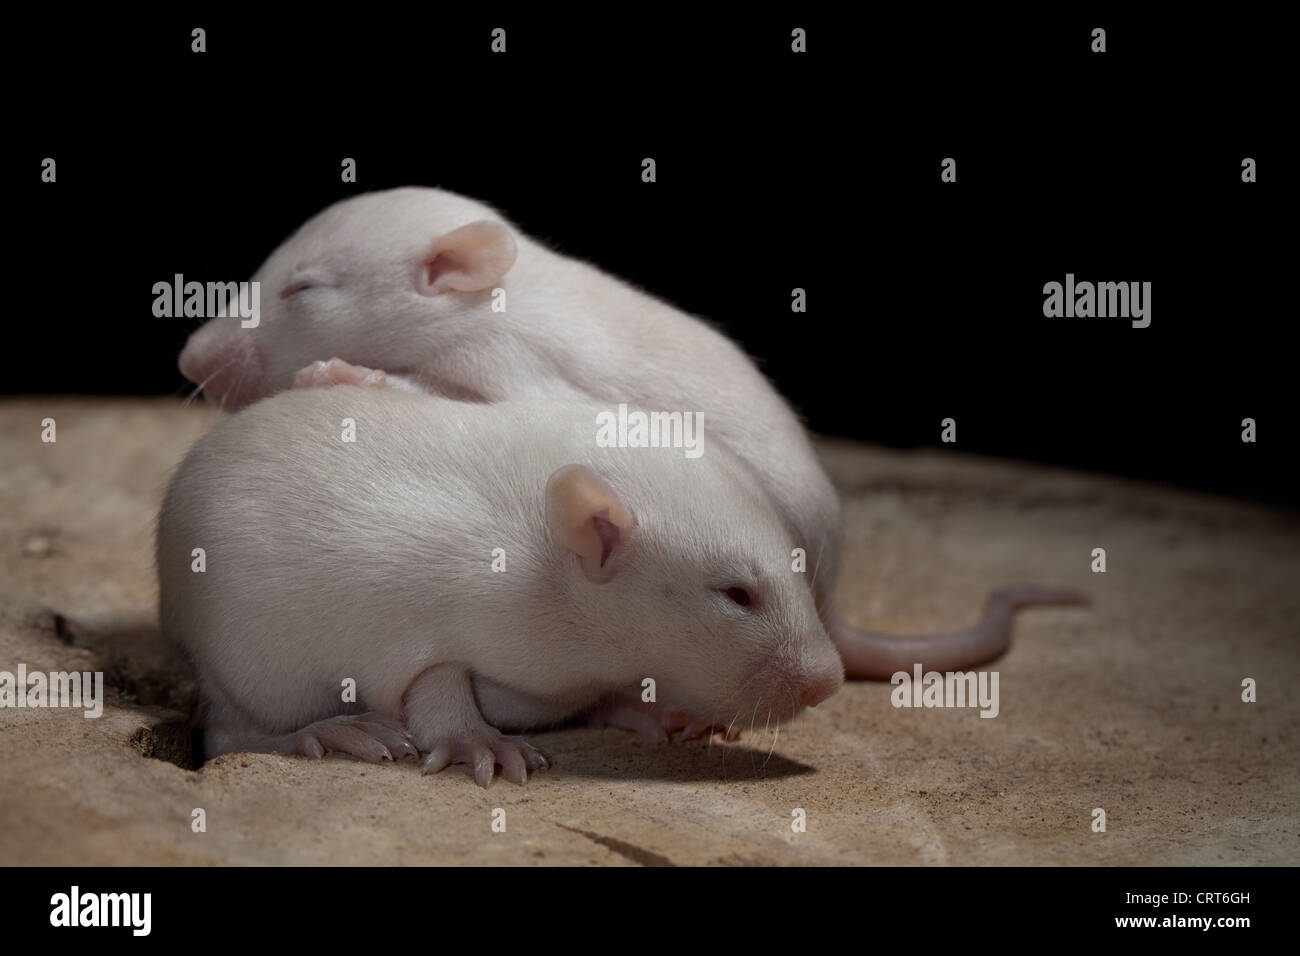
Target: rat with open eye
{"type": "Point", "coordinates": [405, 288]}
{"type": "Point", "coordinates": [476, 569]}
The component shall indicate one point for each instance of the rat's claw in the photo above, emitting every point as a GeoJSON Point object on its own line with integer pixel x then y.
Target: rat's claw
{"type": "Point", "coordinates": [398, 742]}
{"type": "Point", "coordinates": [483, 751]}
{"type": "Point", "coordinates": [513, 767]}
{"type": "Point", "coordinates": [370, 737]}
{"type": "Point", "coordinates": [485, 765]}
{"type": "Point", "coordinates": [437, 758]}
{"type": "Point", "coordinates": [532, 756]}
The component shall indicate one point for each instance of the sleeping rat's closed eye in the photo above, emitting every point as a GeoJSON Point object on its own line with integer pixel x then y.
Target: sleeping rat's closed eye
{"type": "Point", "coordinates": [295, 288]}
{"type": "Point", "coordinates": [304, 278]}
{"type": "Point", "coordinates": [302, 285]}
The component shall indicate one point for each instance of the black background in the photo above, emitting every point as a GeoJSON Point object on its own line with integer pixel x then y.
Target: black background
{"type": "Point", "coordinates": [775, 170]}
{"type": "Point", "coordinates": [247, 906]}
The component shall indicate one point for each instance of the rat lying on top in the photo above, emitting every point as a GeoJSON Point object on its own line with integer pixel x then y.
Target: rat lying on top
{"type": "Point", "coordinates": [402, 283]}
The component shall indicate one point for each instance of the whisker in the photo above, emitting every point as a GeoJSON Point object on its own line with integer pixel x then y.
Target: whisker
{"type": "Point", "coordinates": [821, 546]}
{"type": "Point", "coordinates": [774, 739]}
{"type": "Point", "coordinates": [198, 388]}
{"type": "Point", "coordinates": [239, 383]}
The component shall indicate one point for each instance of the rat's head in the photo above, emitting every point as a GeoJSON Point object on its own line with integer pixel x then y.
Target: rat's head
{"type": "Point", "coordinates": [684, 570]}
{"type": "Point", "coordinates": [376, 280]}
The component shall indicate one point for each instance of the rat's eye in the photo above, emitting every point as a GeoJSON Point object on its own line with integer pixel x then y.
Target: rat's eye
{"type": "Point", "coordinates": [295, 288]}
{"type": "Point", "coordinates": [738, 595]}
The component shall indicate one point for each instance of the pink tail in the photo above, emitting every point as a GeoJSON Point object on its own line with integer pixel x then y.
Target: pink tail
{"type": "Point", "coordinates": [871, 655]}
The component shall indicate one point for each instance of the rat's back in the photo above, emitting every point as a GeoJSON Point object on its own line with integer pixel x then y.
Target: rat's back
{"type": "Point", "coordinates": [355, 514]}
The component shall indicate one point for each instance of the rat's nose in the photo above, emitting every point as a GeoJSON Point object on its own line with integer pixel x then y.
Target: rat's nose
{"type": "Point", "coordinates": [204, 353]}
{"type": "Point", "coordinates": [222, 365]}
{"type": "Point", "coordinates": [817, 690]}
{"type": "Point", "coordinates": [191, 363]}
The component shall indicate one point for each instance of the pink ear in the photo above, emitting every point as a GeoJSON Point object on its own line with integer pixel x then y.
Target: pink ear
{"type": "Point", "coordinates": [588, 517]}
{"type": "Point", "coordinates": [474, 257]}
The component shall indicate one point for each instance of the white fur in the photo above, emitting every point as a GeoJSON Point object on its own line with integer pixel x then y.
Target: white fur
{"type": "Point", "coordinates": [570, 331]}
{"type": "Point", "coordinates": [372, 560]}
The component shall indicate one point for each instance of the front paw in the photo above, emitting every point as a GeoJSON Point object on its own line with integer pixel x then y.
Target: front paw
{"type": "Point", "coordinates": [483, 750]}
{"type": "Point", "coordinates": [655, 723]}
{"type": "Point", "coordinates": [338, 372]}
{"type": "Point", "coordinates": [371, 737]}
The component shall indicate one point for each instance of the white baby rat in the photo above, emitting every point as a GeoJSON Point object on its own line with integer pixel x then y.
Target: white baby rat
{"type": "Point", "coordinates": [403, 282]}
{"type": "Point", "coordinates": [374, 560]}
